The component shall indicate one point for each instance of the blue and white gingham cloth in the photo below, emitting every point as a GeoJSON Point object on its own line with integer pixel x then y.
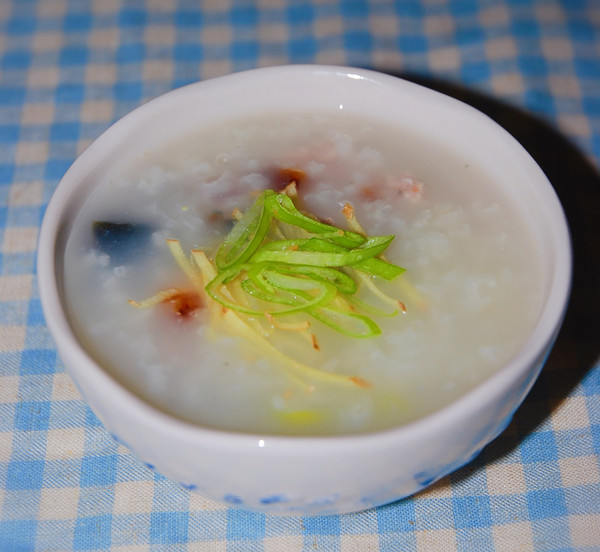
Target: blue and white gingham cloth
{"type": "Point", "coordinates": [68, 68]}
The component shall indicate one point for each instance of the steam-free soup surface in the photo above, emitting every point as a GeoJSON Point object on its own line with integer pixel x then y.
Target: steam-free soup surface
{"type": "Point", "coordinates": [471, 289]}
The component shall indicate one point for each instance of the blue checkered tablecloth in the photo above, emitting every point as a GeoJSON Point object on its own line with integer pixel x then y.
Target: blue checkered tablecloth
{"type": "Point", "coordinates": [69, 68]}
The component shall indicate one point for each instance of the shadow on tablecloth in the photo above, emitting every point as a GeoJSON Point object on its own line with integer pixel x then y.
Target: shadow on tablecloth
{"type": "Point", "coordinates": [577, 184]}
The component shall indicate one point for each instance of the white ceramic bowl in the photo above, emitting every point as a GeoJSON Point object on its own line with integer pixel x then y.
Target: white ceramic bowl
{"type": "Point", "coordinates": [305, 475]}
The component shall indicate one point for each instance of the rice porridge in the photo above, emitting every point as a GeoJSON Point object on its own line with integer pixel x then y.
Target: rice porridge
{"type": "Point", "coordinates": [466, 303]}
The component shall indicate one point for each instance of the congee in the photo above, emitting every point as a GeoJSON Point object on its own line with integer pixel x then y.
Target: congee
{"type": "Point", "coordinates": [311, 274]}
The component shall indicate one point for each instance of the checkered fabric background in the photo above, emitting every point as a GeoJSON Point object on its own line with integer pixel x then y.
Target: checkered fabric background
{"type": "Point", "coordinates": [69, 68]}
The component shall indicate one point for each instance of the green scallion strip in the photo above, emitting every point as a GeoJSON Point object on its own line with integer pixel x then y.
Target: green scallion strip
{"type": "Point", "coordinates": [344, 283]}
{"type": "Point", "coordinates": [247, 235]}
{"type": "Point", "coordinates": [256, 275]}
{"type": "Point", "coordinates": [379, 267]}
{"type": "Point", "coordinates": [305, 254]}
{"type": "Point", "coordinates": [371, 309]}
{"type": "Point", "coordinates": [326, 291]}
{"type": "Point", "coordinates": [373, 266]}
{"type": "Point", "coordinates": [350, 324]}
{"type": "Point", "coordinates": [283, 209]}
{"type": "Point", "coordinates": [212, 288]}
{"type": "Point", "coordinates": [250, 287]}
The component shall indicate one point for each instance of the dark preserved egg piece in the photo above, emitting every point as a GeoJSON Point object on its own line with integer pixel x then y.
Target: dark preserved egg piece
{"type": "Point", "coordinates": [122, 242]}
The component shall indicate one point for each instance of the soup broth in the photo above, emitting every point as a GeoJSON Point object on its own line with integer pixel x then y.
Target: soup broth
{"type": "Point", "coordinates": [468, 299]}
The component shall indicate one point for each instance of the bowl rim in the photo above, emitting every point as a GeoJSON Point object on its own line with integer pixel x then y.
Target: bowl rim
{"type": "Point", "coordinates": [543, 333]}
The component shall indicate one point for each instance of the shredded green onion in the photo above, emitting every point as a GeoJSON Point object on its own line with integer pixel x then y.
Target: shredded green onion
{"type": "Point", "coordinates": [287, 276]}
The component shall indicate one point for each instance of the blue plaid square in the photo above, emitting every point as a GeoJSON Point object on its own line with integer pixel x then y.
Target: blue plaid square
{"type": "Point", "coordinates": [38, 361]}
{"type": "Point", "coordinates": [322, 525]}
{"type": "Point", "coordinates": [25, 474]}
{"type": "Point", "coordinates": [73, 55]}
{"type": "Point", "coordinates": [78, 22]}
{"type": "Point", "coordinates": [539, 447]}
{"type": "Point", "coordinates": [302, 48]}
{"type": "Point", "coordinates": [299, 13]}
{"type": "Point", "coordinates": [131, 17]}
{"type": "Point", "coordinates": [98, 470]}
{"type": "Point", "coordinates": [35, 315]}
{"type": "Point", "coordinates": [245, 525]}
{"type": "Point", "coordinates": [6, 176]}
{"type": "Point", "coordinates": [9, 133]}
{"type": "Point", "coordinates": [546, 503]}
{"type": "Point", "coordinates": [399, 517]}
{"type": "Point", "coordinates": [32, 415]}
{"type": "Point", "coordinates": [471, 512]}
{"type": "Point", "coordinates": [168, 527]}
{"type": "Point", "coordinates": [56, 168]}
{"type": "Point", "coordinates": [244, 16]}
{"type": "Point", "coordinates": [18, 535]}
